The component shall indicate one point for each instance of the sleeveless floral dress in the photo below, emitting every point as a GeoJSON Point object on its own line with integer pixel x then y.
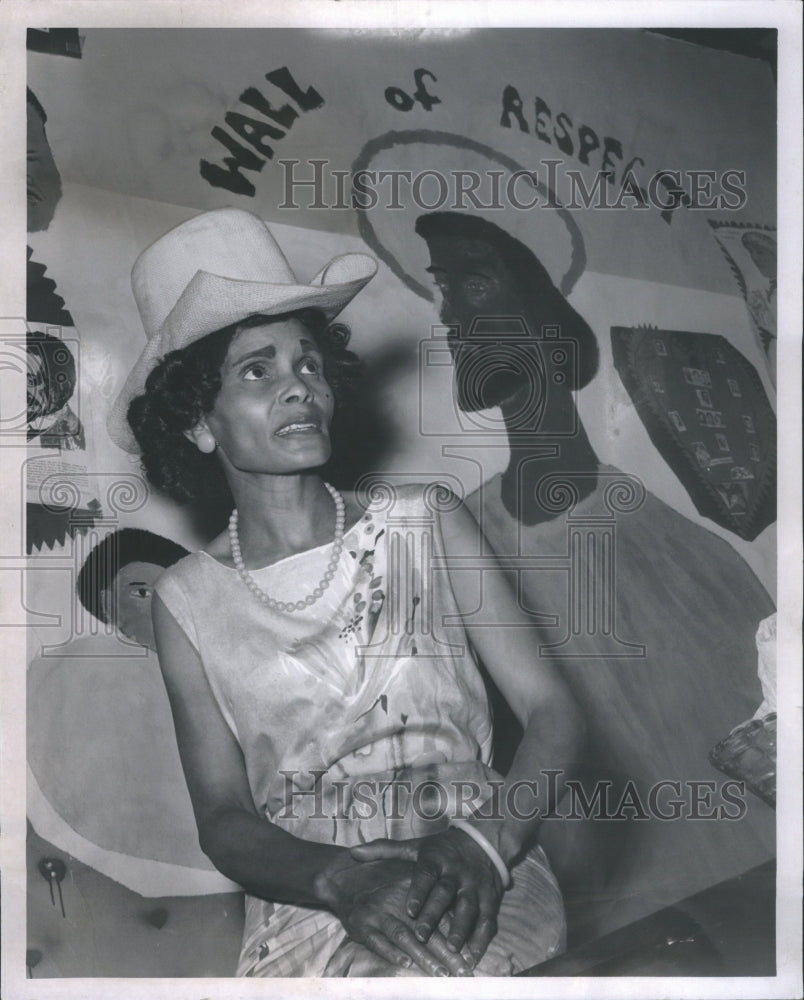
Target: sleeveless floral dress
{"type": "Point", "coordinates": [358, 718]}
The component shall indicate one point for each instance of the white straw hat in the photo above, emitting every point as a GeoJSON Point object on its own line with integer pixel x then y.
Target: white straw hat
{"type": "Point", "coordinates": [214, 270]}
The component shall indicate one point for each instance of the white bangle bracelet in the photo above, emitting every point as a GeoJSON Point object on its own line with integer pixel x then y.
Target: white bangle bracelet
{"type": "Point", "coordinates": [488, 847]}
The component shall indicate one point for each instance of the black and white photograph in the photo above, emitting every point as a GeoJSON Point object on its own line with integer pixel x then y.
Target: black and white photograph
{"type": "Point", "coordinates": [400, 408]}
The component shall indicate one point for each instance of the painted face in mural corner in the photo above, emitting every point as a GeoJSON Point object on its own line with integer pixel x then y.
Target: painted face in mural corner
{"type": "Point", "coordinates": [51, 375]}
{"type": "Point", "coordinates": [128, 605]}
{"type": "Point", "coordinates": [43, 178]}
{"type": "Point", "coordinates": [481, 300]}
{"type": "Point", "coordinates": [38, 402]}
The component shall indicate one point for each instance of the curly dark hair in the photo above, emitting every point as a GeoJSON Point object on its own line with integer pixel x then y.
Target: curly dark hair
{"type": "Point", "coordinates": [549, 305]}
{"type": "Point", "coordinates": [182, 389]}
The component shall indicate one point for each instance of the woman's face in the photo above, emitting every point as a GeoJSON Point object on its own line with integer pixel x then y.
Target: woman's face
{"type": "Point", "coordinates": [273, 411]}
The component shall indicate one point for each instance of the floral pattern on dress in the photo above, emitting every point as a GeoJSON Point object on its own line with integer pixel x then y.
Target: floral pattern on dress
{"type": "Point", "coordinates": [368, 599]}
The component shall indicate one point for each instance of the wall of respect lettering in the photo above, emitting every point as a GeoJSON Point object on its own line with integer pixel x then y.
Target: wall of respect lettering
{"type": "Point", "coordinates": [616, 184]}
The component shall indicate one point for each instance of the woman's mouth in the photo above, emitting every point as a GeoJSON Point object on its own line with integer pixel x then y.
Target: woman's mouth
{"type": "Point", "coordinates": [306, 427]}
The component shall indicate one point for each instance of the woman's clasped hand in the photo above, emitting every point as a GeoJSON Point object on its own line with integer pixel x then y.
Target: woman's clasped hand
{"type": "Point", "coordinates": [430, 901]}
{"type": "Point", "coordinates": [454, 888]}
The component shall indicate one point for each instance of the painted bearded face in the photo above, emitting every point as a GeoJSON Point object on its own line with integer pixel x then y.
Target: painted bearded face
{"type": "Point", "coordinates": [494, 355]}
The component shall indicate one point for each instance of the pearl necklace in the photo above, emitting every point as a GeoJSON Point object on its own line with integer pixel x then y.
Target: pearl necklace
{"type": "Point", "coordinates": [326, 579]}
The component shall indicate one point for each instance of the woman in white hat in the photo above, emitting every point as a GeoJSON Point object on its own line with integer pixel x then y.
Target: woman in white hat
{"type": "Point", "coordinates": [320, 700]}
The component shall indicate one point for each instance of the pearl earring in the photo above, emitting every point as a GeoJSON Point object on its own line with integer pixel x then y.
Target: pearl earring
{"type": "Point", "coordinates": [206, 443]}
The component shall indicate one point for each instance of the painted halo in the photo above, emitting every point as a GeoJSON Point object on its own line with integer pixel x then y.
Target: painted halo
{"type": "Point", "coordinates": [550, 232]}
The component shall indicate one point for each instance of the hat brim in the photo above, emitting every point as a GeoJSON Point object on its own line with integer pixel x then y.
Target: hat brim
{"type": "Point", "coordinates": [211, 302]}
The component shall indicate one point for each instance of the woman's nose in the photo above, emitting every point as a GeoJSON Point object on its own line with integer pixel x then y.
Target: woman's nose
{"type": "Point", "coordinates": [295, 390]}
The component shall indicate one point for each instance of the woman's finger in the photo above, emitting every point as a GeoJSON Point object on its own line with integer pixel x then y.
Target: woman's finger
{"type": "Point", "coordinates": [381, 946]}
{"type": "Point", "coordinates": [485, 929]}
{"type": "Point", "coordinates": [421, 884]}
{"type": "Point", "coordinates": [464, 918]}
{"type": "Point", "coordinates": [403, 939]}
{"type": "Point", "coordinates": [438, 902]}
{"type": "Point", "coordinates": [468, 957]}
{"type": "Point", "coordinates": [380, 850]}
{"type": "Point", "coordinates": [456, 963]}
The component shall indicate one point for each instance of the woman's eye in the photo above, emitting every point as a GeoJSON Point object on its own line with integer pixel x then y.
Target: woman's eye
{"type": "Point", "coordinates": [310, 366]}
{"type": "Point", "coordinates": [255, 372]}
{"type": "Point", "coordinates": [142, 592]}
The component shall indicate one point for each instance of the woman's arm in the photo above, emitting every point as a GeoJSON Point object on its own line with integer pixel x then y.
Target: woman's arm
{"type": "Point", "coordinates": [532, 685]}
{"type": "Point", "coordinates": [453, 872]}
{"type": "Point", "coordinates": [230, 831]}
{"type": "Point", "coordinates": [263, 858]}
